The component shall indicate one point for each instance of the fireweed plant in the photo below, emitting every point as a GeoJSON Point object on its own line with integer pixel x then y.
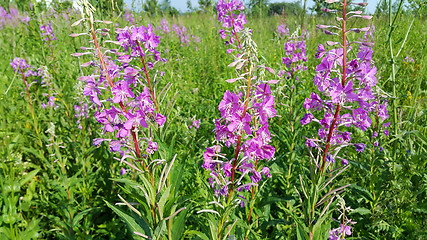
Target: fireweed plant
{"type": "Point", "coordinates": [295, 56]}
{"type": "Point", "coordinates": [27, 73]}
{"type": "Point", "coordinates": [48, 36]}
{"type": "Point", "coordinates": [242, 128]}
{"type": "Point", "coordinates": [122, 94]}
{"type": "Point", "coordinates": [41, 81]}
{"type": "Point", "coordinates": [164, 26]}
{"type": "Point", "coordinates": [294, 70]}
{"type": "Point", "coordinates": [44, 92]}
{"type": "Point", "coordinates": [347, 99]}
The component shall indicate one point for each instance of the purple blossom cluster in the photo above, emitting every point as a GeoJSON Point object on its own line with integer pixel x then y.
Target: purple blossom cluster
{"type": "Point", "coordinates": [231, 20]}
{"type": "Point", "coordinates": [233, 124]}
{"type": "Point", "coordinates": [142, 41]}
{"type": "Point", "coordinates": [295, 50]}
{"type": "Point", "coordinates": [195, 124]}
{"type": "Point", "coordinates": [19, 65]}
{"type": "Point", "coordinates": [346, 99]}
{"type": "Point", "coordinates": [182, 34]}
{"type": "Point", "coordinates": [50, 90]}
{"type": "Point", "coordinates": [130, 18]}
{"type": "Point", "coordinates": [47, 33]}
{"type": "Point", "coordinates": [82, 112]}
{"type": "Point", "coordinates": [408, 59]}
{"type": "Point", "coordinates": [164, 26]}
{"type": "Point", "coordinates": [283, 30]}
{"type": "Point", "coordinates": [50, 102]}
{"type": "Point", "coordinates": [339, 233]}
{"type": "Point", "coordinates": [13, 18]}
{"type": "Point", "coordinates": [132, 106]}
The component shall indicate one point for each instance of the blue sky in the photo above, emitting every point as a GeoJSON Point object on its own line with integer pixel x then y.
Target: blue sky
{"type": "Point", "coordinates": [181, 5]}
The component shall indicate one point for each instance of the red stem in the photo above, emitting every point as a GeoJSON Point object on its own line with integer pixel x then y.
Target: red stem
{"type": "Point", "coordinates": [148, 79]}
{"type": "Point", "coordinates": [343, 80]}
{"type": "Point", "coordinates": [252, 194]}
{"type": "Point", "coordinates": [236, 154]}
{"type": "Point", "coordinates": [26, 86]}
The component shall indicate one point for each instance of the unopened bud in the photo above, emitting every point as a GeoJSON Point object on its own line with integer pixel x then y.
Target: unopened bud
{"type": "Point", "coordinates": [270, 70]}
{"type": "Point", "coordinates": [77, 22]}
{"type": "Point", "coordinates": [325, 9]}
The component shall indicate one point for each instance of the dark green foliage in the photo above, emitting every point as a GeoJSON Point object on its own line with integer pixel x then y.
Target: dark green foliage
{"type": "Point", "coordinates": [258, 7]}
{"type": "Point", "coordinates": [286, 8]}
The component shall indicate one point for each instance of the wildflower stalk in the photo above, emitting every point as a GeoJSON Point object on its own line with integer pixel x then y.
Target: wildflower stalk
{"type": "Point", "coordinates": [243, 126]}
{"type": "Point", "coordinates": [343, 79]}
{"type": "Point", "coordinates": [347, 83]}
{"type": "Point", "coordinates": [253, 188]}
{"type": "Point", "coordinates": [136, 112]}
{"type": "Point", "coordinates": [239, 140]}
{"type": "Point", "coordinates": [31, 106]}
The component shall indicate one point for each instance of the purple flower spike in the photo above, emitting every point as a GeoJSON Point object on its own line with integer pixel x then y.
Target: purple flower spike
{"type": "Point", "coordinates": [47, 33]}
{"type": "Point", "coordinates": [124, 74]}
{"type": "Point", "coordinates": [295, 50]}
{"type": "Point", "coordinates": [229, 19]}
{"type": "Point", "coordinates": [283, 30]}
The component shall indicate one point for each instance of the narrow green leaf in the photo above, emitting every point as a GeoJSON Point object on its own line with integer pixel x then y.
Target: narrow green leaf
{"type": "Point", "coordinates": [132, 224]}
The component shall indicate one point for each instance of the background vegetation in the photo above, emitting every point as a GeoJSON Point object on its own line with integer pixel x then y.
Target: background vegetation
{"type": "Point", "coordinates": [56, 188]}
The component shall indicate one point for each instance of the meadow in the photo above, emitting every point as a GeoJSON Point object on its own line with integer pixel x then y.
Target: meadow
{"type": "Point", "coordinates": [63, 177]}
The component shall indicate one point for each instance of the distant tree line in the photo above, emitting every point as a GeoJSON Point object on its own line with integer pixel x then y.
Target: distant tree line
{"type": "Point", "coordinates": [254, 7]}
